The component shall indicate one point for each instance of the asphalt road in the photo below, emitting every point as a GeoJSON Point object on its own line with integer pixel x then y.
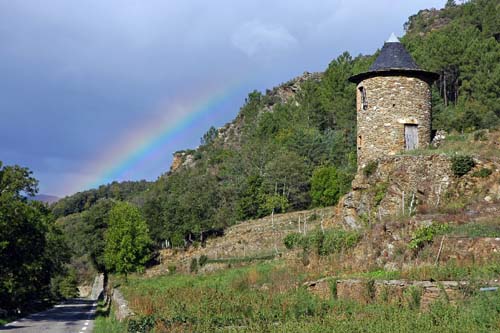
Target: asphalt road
{"type": "Point", "coordinates": [74, 316]}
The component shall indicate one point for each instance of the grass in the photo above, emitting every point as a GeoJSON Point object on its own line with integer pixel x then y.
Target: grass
{"type": "Point", "coordinates": [268, 297]}
{"type": "Point", "coordinates": [450, 271]}
{"type": "Point", "coordinates": [483, 229]}
{"type": "Point", "coordinates": [464, 144]}
{"type": "Point", "coordinates": [237, 260]}
{"type": "Point", "coordinates": [6, 320]}
{"type": "Point", "coordinates": [105, 321]}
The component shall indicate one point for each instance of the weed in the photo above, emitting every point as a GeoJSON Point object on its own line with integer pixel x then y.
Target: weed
{"type": "Point", "coordinates": [333, 288]}
{"type": "Point", "coordinates": [483, 173]}
{"type": "Point", "coordinates": [425, 235]}
{"type": "Point", "coordinates": [370, 168]}
{"type": "Point", "coordinates": [481, 135]}
{"type": "Point", "coordinates": [202, 260]}
{"type": "Point", "coordinates": [413, 295]}
{"type": "Point", "coordinates": [193, 266]}
{"type": "Point", "coordinates": [380, 192]}
{"type": "Point", "coordinates": [369, 290]}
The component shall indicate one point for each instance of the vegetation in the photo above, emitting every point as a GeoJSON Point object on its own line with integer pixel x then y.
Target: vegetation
{"type": "Point", "coordinates": [424, 235]}
{"type": "Point", "coordinates": [237, 300]}
{"type": "Point", "coordinates": [323, 242]}
{"type": "Point", "coordinates": [127, 240]}
{"type": "Point", "coordinates": [81, 201]}
{"type": "Point", "coordinates": [370, 168]}
{"type": "Point", "coordinates": [327, 186]}
{"type": "Point", "coordinates": [461, 44]}
{"type": "Point", "coordinates": [302, 154]}
{"type": "Point", "coordinates": [462, 164]}
{"type": "Point", "coordinates": [33, 249]}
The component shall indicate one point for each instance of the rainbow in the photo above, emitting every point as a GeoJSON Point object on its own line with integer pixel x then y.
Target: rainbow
{"type": "Point", "coordinates": [147, 142]}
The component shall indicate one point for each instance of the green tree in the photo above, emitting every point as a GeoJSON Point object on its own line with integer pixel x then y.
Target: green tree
{"type": "Point", "coordinates": [32, 248]}
{"type": "Point", "coordinates": [127, 241]}
{"type": "Point", "coordinates": [96, 221]}
{"type": "Point", "coordinates": [327, 186]}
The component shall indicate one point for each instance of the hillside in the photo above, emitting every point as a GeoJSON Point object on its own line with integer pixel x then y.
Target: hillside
{"type": "Point", "coordinates": [421, 269]}
{"type": "Point", "coordinates": [49, 199]}
{"type": "Point", "coordinates": [408, 242]}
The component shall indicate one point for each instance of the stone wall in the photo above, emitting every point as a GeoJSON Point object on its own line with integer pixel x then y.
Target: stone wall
{"type": "Point", "coordinates": [122, 310]}
{"type": "Point", "coordinates": [392, 102]}
{"type": "Point", "coordinates": [415, 293]}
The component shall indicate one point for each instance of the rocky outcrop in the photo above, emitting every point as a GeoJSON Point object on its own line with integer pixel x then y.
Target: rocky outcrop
{"type": "Point", "coordinates": [97, 287]}
{"type": "Point", "coordinates": [182, 159]}
{"type": "Point", "coordinates": [396, 185]}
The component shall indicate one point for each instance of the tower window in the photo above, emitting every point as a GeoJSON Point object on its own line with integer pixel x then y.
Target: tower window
{"type": "Point", "coordinates": [362, 94]}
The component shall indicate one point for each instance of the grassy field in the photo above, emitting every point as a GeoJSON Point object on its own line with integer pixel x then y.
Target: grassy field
{"type": "Point", "coordinates": [267, 297]}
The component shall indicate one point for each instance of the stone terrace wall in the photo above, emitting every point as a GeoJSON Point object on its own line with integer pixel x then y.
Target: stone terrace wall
{"type": "Point", "coordinates": [392, 102]}
{"type": "Point", "coordinates": [392, 291]}
{"type": "Point", "coordinates": [247, 239]}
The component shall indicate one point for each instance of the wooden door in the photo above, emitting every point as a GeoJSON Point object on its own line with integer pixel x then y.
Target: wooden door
{"type": "Point", "coordinates": [411, 137]}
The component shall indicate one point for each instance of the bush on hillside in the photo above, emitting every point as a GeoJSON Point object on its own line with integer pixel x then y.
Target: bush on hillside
{"type": "Point", "coordinates": [462, 164]}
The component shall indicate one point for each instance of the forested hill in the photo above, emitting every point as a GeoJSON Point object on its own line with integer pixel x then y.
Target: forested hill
{"type": "Point", "coordinates": [81, 201]}
{"type": "Point", "coordinates": [294, 146]}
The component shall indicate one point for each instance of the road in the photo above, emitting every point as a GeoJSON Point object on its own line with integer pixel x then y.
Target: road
{"type": "Point", "coordinates": [74, 316]}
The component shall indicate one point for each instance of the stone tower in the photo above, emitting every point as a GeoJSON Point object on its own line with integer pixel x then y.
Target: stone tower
{"type": "Point", "coordinates": [393, 104]}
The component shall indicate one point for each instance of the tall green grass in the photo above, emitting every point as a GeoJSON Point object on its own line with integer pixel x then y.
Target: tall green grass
{"type": "Point", "coordinates": [268, 297]}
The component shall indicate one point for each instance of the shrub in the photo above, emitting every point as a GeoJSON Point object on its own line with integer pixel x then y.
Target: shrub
{"type": "Point", "coordinates": [327, 185]}
{"type": "Point", "coordinates": [483, 173]}
{"type": "Point", "coordinates": [336, 240]}
{"type": "Point", "coordinates": [462, 164]}
{"type": "Point", "coordinates": [193, 267]}
{"type": "Point", "coordinates": [293, 240]}
{"type": "Point", "coordinates": [413, 297]}
{"type": "Point", "coordinates": [425, 235]}
{"type": "Point", "coordinates": [481, 135]}
{"type": "Point", "coordinates": [333, 288]}
{"type": "Point", "coordinates": [141, 324]}
{"type": "Point", "coordinates": [172, 269]}
{"type": "Point", "coordinates": [370, 168]}
{"type": "Point", "coordinates": [202, 260]}
{"type": "Point", "coordinates": [370, 290]}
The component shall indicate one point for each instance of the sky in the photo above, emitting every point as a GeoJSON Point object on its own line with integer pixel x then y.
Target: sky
{"type": "Point", "coordinates": [97, 91]}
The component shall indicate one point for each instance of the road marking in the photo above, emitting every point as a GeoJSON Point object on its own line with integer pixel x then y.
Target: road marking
{"type": "Point", "coordinates": [86, 323]}
{"type": "Point", "coordinates": [84, 328]}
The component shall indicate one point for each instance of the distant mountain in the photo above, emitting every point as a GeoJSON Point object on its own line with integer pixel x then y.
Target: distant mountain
{"type": "Point", "coordinates": [45, 198]}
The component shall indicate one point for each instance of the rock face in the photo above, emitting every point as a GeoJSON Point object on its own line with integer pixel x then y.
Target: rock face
{"type": "Point", "coordinates": [396, 186]}
{"type": "Point", "coordinates": [390, 106]}
{"type": "Point", "coordinates": [97, 287]}
{"type": "Point", "coordinates": [182, 159]}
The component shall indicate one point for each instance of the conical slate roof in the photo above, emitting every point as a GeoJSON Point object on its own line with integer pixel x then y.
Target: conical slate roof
{"type": "Point", "coordinates": [393, 60]}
